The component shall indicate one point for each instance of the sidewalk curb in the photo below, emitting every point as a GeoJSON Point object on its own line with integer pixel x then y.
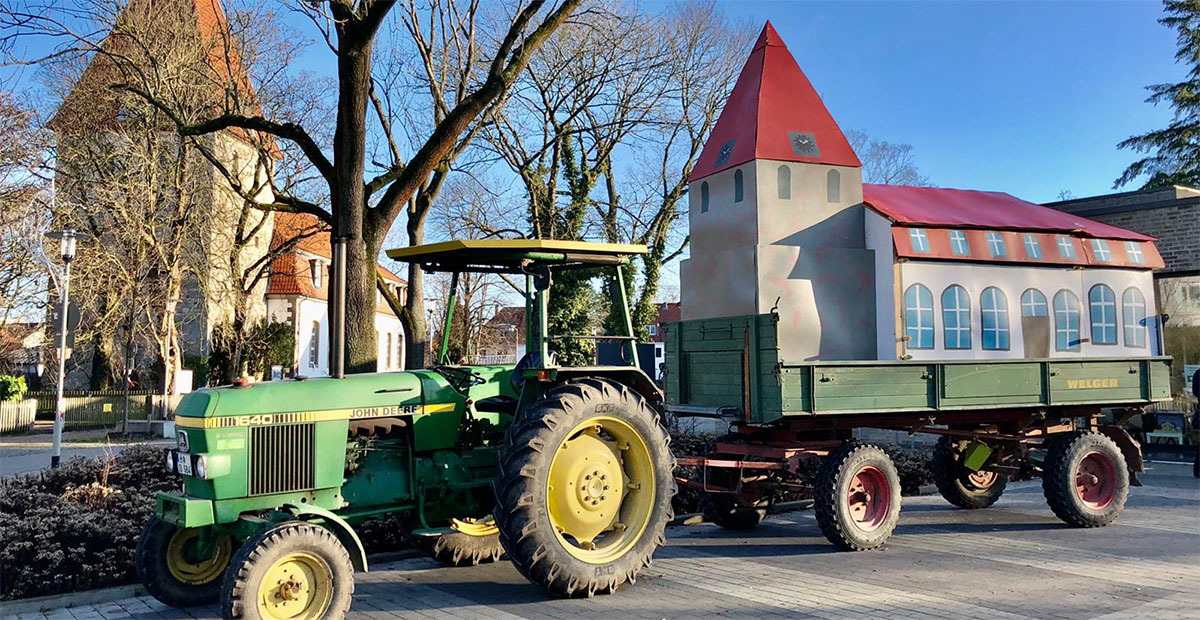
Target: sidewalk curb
{"type": "Point", "coordinates": [70, 599]}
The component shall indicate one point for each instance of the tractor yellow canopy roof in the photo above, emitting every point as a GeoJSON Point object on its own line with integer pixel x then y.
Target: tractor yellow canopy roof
{"type": "Point", "coordinates": [512, 255]}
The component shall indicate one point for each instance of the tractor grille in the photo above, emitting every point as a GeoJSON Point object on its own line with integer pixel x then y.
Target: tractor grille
{"type": "Point", "coordinates": [281, 458]}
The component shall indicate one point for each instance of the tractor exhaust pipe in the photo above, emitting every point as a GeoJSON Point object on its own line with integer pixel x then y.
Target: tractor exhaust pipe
{"type": "Point", "coordinates": [337, 310]}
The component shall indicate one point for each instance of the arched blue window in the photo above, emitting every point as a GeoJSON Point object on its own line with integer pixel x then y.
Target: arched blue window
{"type": "Point", "coordinates": [785, 183]}
{"type": "Point", "coordinates": [738, 186]}
{"type": "Point", "coordinates": [704, 197]}
{"type": "Point", "coordinates": [1066, 321]}
{"type": "Point", "coordinates": [1102, 307]}
{"type": "Point", "coordinates": [833, 186]}
{"type": "Point", "coordinates": [918, 317]}
{"type": "Point", "coordinates": [993, 308]}
{"type": "Point", "coordinates": [1133, 307]}
{"type": "Point", "coordinates": [956, 317]}
{"type": "Point", "coordinates": [1033, 303]}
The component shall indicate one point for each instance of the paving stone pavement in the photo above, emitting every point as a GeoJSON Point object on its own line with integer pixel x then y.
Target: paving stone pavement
{"type": "Point", "coordinates": [1015, 560]}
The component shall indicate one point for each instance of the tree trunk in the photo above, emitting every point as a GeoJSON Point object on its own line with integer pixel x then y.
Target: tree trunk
{"type": "Point", "coordinates": [416, 331]}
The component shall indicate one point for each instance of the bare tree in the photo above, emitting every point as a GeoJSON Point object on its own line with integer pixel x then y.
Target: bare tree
{"type": "Point", "coordinates": [886, 162]}
{"type": "Point", "coordinates": [24, 209]}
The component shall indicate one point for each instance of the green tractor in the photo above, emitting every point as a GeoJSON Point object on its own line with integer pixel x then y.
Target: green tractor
{"type": "Point", "coordinates": [564, 469]}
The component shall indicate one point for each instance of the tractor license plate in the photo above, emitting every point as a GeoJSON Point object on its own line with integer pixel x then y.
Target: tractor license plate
{"type": "Point", "coordinates": [184, 463]}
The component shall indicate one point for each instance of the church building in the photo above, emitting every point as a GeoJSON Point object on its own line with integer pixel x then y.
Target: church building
{"type": "Point", "coordinates": [780, 220]}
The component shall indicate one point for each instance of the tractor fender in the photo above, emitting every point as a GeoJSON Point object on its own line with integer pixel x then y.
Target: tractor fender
{"type": "Point", "coordinates": [1130, 449]}
{"type": "Point", "coordinates": [337, 525]}
{"type": "Point", "coordinates": [630, 376]}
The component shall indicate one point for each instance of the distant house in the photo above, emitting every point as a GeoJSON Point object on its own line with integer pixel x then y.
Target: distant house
{"type": "Point", "coordinates": [21, 350]}
{"type": "Point", "coordinates": [298, 294]}
{"type": "Point", "coordinates": [669, 312]}
{"type": "Point", "coordinates": [503, 337]}
{"type": "Point", "coordinates": [780, 221]}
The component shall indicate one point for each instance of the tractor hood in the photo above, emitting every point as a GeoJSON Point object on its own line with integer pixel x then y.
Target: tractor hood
{"type": "Point", "coordinates": [355, 396]}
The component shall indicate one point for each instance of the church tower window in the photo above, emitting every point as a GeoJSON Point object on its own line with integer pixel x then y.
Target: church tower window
{"type": "Point", "coordinates": [785, 183]}
{"type": "Point", "coordinates": [738, 186]}
{"type": "Point", "coordinates": [833, 186]}
{"type": "Point", "coordinates": [704, 197]}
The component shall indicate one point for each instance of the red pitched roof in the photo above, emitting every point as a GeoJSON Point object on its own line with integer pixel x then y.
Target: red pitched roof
{"type": "Point", "coordinates": [771, 112]}
{"type": "Point", "coordinates": [963, 208]}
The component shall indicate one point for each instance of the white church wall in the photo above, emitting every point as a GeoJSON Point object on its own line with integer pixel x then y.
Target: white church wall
{"type": "Point", "coordinates": [1014, 281]}
{"type": "Point", "coordinates": [879, 240]}
{"type": "Point", "coordinates": [720, 276]}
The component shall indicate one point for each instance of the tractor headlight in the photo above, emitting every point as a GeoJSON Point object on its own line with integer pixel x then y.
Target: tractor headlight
{"type": "Point", "coordinates": [201, 467]}
{"type": "Point", "coordinates": [170, 463]}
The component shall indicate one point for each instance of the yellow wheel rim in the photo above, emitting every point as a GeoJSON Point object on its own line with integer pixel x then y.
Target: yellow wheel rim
{"type": "Point", "coordinates": [181, 551]}
{"type": "Point", "coordinates": [299, 585]}
{"type": "Point", "coordinates": [475, 527]}
{"type": "Point", "coordinates": [600, 489]}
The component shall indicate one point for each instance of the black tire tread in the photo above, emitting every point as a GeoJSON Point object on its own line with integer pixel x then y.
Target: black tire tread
{"type": "Point", "coordinates": [943, 468]}
{"type": "Point", "coordinates": [517, 513]}
{"type": "Point", "coordinates": [1059, 490]}
{"type": "Point", "coordinates": [157, 579]}
{"type": "Point", "coordinates": [826, 495]}
{"type": "Point", "coordinates": [459, 549]}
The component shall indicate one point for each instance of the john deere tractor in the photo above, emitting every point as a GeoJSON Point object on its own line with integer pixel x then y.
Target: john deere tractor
{"type": "Point", "coordinates": [566, 470]}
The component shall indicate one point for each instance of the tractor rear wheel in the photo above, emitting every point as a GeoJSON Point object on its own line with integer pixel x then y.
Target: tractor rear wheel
{"type": "Point", "coordinates": [583, 494]}
{"type": "Point", "coordinates": [1085, 479]}
{"type": "Point", "coordinates": [290, 570]}
{"type": "Point", "coordinates": [960, 486]}
{"type": "Point", "coordinates": [857, 496]}
{"type": "Point", "coordinates": [470, 544]}
{"type": "Point", "coordinates": [169, 563]}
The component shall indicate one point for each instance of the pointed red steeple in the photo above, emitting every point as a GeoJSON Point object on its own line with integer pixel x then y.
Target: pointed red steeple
{"type": "Point", "coordinates": [773, 113]}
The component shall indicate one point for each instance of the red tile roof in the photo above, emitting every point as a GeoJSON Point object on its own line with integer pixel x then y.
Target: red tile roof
{"type": "Point", "coordinates": [961, 208]}
{"type": "Point", "coordinates": [773, 113]}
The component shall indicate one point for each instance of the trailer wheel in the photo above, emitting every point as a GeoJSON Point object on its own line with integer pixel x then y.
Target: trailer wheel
{"type": "Point", "coordinates": [1085, 479]}
{"type": "Point", "coordinates": [583, 494]}
{"type": "Point", "coordinates": [960, 486]}
{"type": "Point", "coordinates": [167, 563]}
{"type": "Point", "coordinates": [472, 543]}
{"type": "Point", "coordinates": [290, 570]}
{"type": "Point", "coordinates": [857, 496]}
{"type": "Point", "coordinates": [726, 511]}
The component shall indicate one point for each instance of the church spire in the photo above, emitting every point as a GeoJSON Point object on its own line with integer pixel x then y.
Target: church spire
{"type": "Point", "coordinates": [773, 113]}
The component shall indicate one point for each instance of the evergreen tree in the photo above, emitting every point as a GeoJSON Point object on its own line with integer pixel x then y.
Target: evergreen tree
{"type": "Point", "coordinates": [1173, 154]}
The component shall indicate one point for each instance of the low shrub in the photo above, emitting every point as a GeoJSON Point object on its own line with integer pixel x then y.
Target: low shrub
{"type": "Point", "coordinates": [12, 389]}
{"type": "Point", "coordinates": [76, 527]}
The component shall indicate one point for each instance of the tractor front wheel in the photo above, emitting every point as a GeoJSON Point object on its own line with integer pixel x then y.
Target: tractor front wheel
{"type": "Point", "coordinates": [290, 570]}
{"type": "Point", "coordinates": [176, 567]}
{"type": "Point", "coordinates": [1085, 480]}
{"type": "Point", "coordinates": [960, 486]}
{"type": "Point", "coordinates": [857, 496]}
{"type": "Point", "coordinates": [584, 491]}
{"type": "Point", "coordinates": [472, 542]}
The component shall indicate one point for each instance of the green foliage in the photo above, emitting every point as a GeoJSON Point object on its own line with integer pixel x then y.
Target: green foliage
{"type": "Point", "coordinates": [270, 344]}
{"type": "Point", "coordinates": [76, 527]}
{"type": "Point", "coordinates": [572, 303]}
{"type": "Point", "coordinates": [199, 366]}
{"type": "Point", "coordinates": [12, 388]}
{"type": "Point", "coordinates": [1173, 153]}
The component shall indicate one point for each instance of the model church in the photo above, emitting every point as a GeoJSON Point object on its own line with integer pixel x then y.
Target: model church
{"type": "Point", "coordinates": [780, 220]}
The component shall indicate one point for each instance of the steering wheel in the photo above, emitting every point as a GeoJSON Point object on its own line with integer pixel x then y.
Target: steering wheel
{"type": "Point", "coordinates": [460, 378]}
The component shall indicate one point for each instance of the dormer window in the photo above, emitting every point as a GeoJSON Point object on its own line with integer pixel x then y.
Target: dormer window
{"type": "Point", "coordinates": [1134, 252]}
{"type": "Point", "coordinates": [959, 244]}
{"type": "Point", "coordinates": [1100, 249]}
{"type": "Point", "coordinates": [315, 269]}
{"type": "Point", "coordinates": [920, 241]}
{"type": "Point", "coordinates": [1032, 248]}
{"type": "Point", "coordinates": [996, 245]}
{"type": "Point", "coordinates": [1066, 249]}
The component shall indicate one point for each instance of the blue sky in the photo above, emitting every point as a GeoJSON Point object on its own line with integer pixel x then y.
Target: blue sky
{"type": "Point", "coordinates": [1024, 97]}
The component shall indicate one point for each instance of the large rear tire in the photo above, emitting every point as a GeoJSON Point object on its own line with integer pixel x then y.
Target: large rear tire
{"type": "Point", "coordinates": [1085, 479]}
{"type": "Point", "coordinates": [583, 494]}
{"type": "Point", "coordinates": [168, 564]}
{"type": "Point", "coordinates": [290, 570]}
{"type": "Point", "coordinates": [960, 486]}
{"type": "Point", "coordinates": [857, 496]}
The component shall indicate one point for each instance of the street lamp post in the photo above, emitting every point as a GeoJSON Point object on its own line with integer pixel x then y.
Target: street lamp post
{"type": "Point", "coordinates": [67, 238]}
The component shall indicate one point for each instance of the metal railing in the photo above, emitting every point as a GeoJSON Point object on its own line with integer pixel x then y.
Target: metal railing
{"type": "Point", "coordinates": [17, 416]}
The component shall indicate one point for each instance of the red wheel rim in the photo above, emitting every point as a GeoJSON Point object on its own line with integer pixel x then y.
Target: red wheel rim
{"type": "Point", "coordinates": [981, 479]}
{"type": "Point", "coordinates": [869, 498]}
{"type": "Point", "coordinates": [1096, 480]}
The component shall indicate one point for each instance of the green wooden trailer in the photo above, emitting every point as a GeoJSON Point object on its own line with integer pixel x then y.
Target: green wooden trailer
{"type": "Point", "coordinates": [998, 420]}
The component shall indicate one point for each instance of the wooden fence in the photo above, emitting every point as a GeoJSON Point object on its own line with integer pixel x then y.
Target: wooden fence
{"type": "Point", "coordinates": [101, 408]}
{"type": "Point", "coordinates": [17, 416]}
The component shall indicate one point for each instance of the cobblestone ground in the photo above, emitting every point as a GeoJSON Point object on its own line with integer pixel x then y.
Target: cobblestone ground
{"type": "Point", "coordinates": [1012, 561]}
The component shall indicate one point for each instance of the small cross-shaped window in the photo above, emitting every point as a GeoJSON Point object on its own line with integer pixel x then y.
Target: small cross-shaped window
{"type": "Point", "coordinates": [959, 244]}
{"type": "Point", "coordinates": [1135, 252]}
{"type": "Point", "coordinates": [1032, 248]}
{"type": "Point", "coordinates": [996, 244]}
{"type": "Point", "coordinates": [1100, 249]}
{"type": "Point", "coordinates": [920, 242]}
{"type": "Point", "coordinates": [1066, 249]}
